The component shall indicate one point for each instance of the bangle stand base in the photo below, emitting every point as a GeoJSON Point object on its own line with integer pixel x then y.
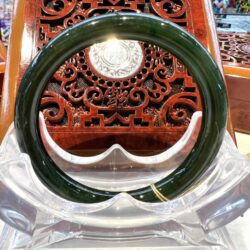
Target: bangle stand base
{"type": "Point", "coordinates": [158, 240]}
{"type": "Point", "coordinates": [35, 217]}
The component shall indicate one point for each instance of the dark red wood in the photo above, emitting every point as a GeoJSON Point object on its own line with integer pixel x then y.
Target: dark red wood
{"type": "Point", "coordinates": [147, 112]}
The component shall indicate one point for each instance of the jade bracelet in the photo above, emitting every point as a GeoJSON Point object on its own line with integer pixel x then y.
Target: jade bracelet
{"type": "Point", "coordinates": [133, 27]}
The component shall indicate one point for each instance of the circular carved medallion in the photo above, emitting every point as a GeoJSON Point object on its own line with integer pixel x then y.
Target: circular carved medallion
{"type": "Point", "coordinates": [116, 58]}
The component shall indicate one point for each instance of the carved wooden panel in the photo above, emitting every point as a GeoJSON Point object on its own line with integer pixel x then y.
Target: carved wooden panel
{"type": "Point", "coordinates": [235, 52]}
{"type": "Point", "coordinates": [57, 15]}
{"type": "Point", "coordinates": [146, 112]}
{"type": "Point", "coordinates": [235, 49]}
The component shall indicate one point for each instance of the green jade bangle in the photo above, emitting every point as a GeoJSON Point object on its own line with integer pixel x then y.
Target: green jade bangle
{"type": "Point", "coordinates": [134, 27]}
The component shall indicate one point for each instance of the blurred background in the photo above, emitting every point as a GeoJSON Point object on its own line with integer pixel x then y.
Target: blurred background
{"type": "Point", "coordinates": [231, 6]}
{"type": "Point", "coordinates": [5, 19]}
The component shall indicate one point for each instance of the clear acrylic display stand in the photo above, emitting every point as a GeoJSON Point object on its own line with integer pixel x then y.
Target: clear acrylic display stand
{"type": "Point", "coordinates": [35, 217]}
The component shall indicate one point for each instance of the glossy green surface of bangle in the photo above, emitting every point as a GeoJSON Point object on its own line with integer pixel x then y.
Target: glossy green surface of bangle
{"type": "Point", "coordinates": [134, 27]}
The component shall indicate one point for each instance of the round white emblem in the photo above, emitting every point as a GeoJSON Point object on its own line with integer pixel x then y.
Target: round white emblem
{"type": "Point", "coordinates": [116, 58]}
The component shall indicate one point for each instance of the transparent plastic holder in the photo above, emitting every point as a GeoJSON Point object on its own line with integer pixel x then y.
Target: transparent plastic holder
{"type": "Point", "coordinates": [118, 170]}
{"type": "Point", "coordinates": [41, 218]}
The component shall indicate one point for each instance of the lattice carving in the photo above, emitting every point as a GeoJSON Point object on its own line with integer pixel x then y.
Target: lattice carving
{"type": "Point", "coordinates": [160, 95]}
{"type": "Point", "coordinates": [235, 48]}
{"type": "Point", "coordinates": [57, 15]}
{"type": "Point", "coordinates": [159, 98]}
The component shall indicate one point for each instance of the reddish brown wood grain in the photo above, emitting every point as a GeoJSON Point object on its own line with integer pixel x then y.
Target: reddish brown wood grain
{"type": "Point", "coordinates": [17, 46]}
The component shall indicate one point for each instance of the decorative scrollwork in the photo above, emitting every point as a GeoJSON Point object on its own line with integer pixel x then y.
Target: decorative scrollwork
{"type": "Point", "coordinates": [173, 10]}
{"type": "Point", "coordinates": [179, 107]}
{"type": "Point", "coordinates": [57, 15]}
{"type": "Point", "coordinates": [56, 109]}
{"type": "Point", "coordinates": [235, 49]}
{"type": "Point", "coordinates": [56, 9]}
{"type": "Point", "coordinates": [154, 92]}
{"type": "Point", "coordinates": [159, 94]}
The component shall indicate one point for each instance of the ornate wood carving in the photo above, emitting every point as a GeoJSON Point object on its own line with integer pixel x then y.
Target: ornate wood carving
{"type": "Point", "coordinates": [80, 104]}
{"type": "Point", "coordinates": [57, 15]}
{"type": "Point", "coordinates": [235, 49]}
{"type": "Point", "coordinates": [235, 52]}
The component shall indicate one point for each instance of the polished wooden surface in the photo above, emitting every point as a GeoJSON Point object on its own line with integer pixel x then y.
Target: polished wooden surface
{"type": "Point", "coordinates": [33, 27]}
{"type": "Point", "coordinates": [13, 66]}
{"type": "Point", "coordinates": [237, 71]}
{"type": "Point", "coordinates": [3, 52]}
